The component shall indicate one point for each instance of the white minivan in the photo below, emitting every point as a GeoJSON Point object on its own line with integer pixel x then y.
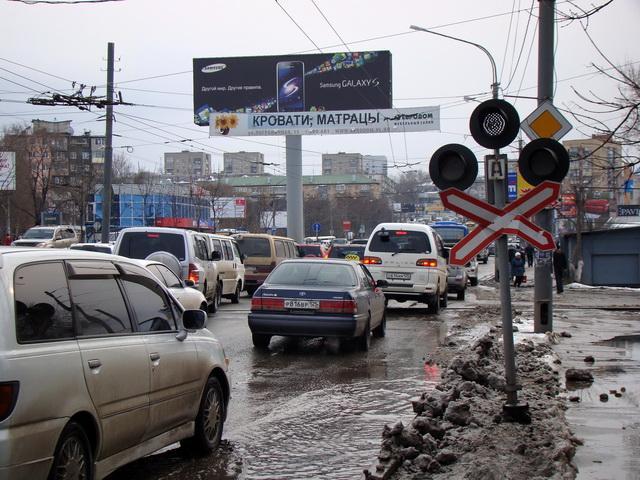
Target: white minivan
{"type": "Point", "coordinates": [230, 266]}
{"type": "Point", "coordinates": [190, 248]}
{"type": "Point", "coordinates": [412, 259]}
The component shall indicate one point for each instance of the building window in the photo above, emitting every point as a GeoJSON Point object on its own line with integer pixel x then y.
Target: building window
{"type": "Point", "coordinates": [73, 155]}
{"type": "Point", "coordinates": [99, 140]}
{"type": "Point", "coordinates": [86, 155]}
{"type": "Point", "coordinates": [340, 188]}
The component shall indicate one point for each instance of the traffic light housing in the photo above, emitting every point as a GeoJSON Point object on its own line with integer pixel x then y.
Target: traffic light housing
{"type": "Point", "coordinates": [543, 159]}
{"type": "Point", "coordinates": [494, 124]}
{"type": "Point", "coordinates": [453, 165]}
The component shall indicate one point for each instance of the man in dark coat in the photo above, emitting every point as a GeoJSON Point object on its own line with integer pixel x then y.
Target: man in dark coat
{"type": "Point", "coordinates": [559, 266]}
{"type": "Point", "coordinates": [528, 250]}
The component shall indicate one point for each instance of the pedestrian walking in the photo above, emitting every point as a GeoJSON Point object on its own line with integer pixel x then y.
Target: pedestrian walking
{"type": "Point", "coordinates": [517, 269]}
{"type": "Point", "coordinates": [559, 266]}
{"type": "Point", "coordinates": [528, 250]}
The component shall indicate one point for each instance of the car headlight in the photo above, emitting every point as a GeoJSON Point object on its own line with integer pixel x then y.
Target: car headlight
{"type": "Point", "coordinates": [41, 244]}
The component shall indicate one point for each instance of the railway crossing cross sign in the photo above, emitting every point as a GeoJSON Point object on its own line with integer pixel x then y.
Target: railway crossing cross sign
{"type": "Point", "coordinates": [493, 222]}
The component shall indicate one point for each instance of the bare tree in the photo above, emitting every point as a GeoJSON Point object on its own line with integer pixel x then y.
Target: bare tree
{"type": "Point", "coordinates": [35, 151]}
{"type": "Point", "coordinates": [122, 170]}
{"type": "Point", "coordinates": [146, 183]}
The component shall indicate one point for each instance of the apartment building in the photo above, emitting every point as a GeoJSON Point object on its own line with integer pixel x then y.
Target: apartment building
{"type": "Point", "coordinates": [187, 165]}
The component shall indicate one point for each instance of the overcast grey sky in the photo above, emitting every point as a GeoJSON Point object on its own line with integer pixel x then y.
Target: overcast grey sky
{"type": "Point", "coordinates": [44, 47]}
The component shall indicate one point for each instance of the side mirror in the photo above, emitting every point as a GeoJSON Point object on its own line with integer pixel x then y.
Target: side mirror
{"type": "Point", "coordinates": [382, 283]}
{"type": "Point", "coordinates": [215, 256]}
{"type": "Point", "coordinates": [189, 283]}
{"type": "Point", "coordinates": [194, 319]}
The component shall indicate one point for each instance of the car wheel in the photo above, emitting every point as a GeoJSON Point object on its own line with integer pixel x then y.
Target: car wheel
{"type": "Point", "coordinates": [251, 291]}
{"type": "Point", "coordinates": [474, 282]}
{"type": "Point", "coordinates": [445, 299]}
{"type": "Point", "coordinates": [434, 304]}
{"type": "Point", "coordinates": [204, 307]}
{"type": "Point", "coordinates": [461, 295]}
{"type": "Point", "coordinates": [217, 298]}
{"type": "Point", "coordinates": [260, 341]}
{"type": "Point", "coordinates": [209, 421]}
{"type": "Point", "coordinates": [381, 330]}
{"type": "Point", "coordinates": [364, 340]}
{"type": "Point", "coordinates": [235, 298]}
{"type": "Point", "coordinates": [72, 458]}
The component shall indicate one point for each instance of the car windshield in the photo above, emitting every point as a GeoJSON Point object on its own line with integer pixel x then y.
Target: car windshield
{"type": "Point", "coordinates": [142, 244]}
{"type": "Point", "coordinates": [254, 246]}
{"type": "Point", "coordinates": [312, 274]}
{"type": "Point", "coordinates": [309, 250]}
{"type": "Point", "coordinates": [350, 252]}
{"type": "Point", "coordinates": [39, 233]}
{"type": "Point", "coordinates": [450, 234]}
{"type": "Point", "coordinates": [398, 241]}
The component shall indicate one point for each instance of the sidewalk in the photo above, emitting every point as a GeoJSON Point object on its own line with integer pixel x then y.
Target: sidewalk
{"type": "Point", "coordinates": [605, 324]}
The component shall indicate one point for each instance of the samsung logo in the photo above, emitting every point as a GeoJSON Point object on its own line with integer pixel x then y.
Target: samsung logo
{"type": "Point", "coordinates": [215, 67]}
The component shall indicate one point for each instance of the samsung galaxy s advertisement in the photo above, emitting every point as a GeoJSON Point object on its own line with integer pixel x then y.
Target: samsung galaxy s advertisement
{"type": "Point", "coordinates": [295, 83]}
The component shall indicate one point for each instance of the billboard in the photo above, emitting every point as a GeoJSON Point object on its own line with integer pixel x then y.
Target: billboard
{"type": "Point", "coordinates": [229, 207]}
{"type": "Point", "coordinates": [397, 120]}
{"type": "Point", "coordinates": [7, 171]}
{"type": "Point", "coordinates": [291, 83]}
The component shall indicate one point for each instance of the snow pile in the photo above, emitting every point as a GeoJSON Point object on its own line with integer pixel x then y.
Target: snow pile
{"type": "Point", "coordinates": [459, 431]}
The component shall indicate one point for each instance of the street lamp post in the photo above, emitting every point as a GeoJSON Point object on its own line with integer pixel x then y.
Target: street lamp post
{"type": "Point", "coordinates": [512, 409]}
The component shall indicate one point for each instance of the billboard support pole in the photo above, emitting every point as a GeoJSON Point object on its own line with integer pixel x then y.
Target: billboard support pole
{"type": "Point", "coordinates": [295, 216]}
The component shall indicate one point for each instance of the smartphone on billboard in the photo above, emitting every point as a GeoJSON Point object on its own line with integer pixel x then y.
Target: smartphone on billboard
{"type": "Point", "coordinates": [290, 85]}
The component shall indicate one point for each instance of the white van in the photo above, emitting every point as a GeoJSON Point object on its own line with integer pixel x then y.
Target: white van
{"type": "Point", "coordinates": [230, 266]}
{"type": "Point", "coordinates": [412, 259]}
{"type": "Point", "coordinates": [190, 248]}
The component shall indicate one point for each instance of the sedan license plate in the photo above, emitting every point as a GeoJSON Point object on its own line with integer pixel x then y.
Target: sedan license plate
{"type": "Point", "coordinates": [302, 304]}
{"type": "Point", "coordinates": [398, 276]}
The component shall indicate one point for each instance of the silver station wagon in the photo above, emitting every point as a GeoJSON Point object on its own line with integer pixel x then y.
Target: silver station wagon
{"type": "Point", "coordinates": [99, 366]}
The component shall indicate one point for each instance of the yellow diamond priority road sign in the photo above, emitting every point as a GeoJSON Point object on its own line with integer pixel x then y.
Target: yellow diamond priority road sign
{"type": "Point", "coordinates": [546, 121]}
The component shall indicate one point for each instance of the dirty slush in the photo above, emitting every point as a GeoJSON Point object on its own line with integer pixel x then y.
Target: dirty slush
{"type": "Point", "coordinates": [458, 431]}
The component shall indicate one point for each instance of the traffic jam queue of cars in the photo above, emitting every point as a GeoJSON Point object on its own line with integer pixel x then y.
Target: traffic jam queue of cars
{"type": "Point", "coordinates": [106, 358]}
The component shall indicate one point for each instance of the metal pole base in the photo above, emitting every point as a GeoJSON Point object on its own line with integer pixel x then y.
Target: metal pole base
{"type": "Point", "coordinates": [518, 413]}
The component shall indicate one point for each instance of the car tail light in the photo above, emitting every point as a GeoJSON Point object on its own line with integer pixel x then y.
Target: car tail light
{"type": "Point", "coordinates": [338, 306]}
{"type": "Point", "coordinates": [8, 397]}
{"type": "Point", "coordinates": [194, 274]}
{"type": "Point", "coordinates": [266, 303]}
{"type": "Point", "coordinates": [427, 262]}
{"type": "Point", "coordinates": [372, 261]}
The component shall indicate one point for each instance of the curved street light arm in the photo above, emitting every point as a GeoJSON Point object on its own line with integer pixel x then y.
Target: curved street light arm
{"type": "Point", "coordinates": [495, 84]}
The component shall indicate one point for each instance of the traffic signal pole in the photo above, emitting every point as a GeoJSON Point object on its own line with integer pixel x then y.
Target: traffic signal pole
{"type": "Point", "coordinates": [449, 167]}
{"type": "Point", "coordinates": [543, 287]}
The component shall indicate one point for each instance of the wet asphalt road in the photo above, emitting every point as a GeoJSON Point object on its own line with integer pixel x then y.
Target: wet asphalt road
{"type": "Point", "coordinates": [304, 408]}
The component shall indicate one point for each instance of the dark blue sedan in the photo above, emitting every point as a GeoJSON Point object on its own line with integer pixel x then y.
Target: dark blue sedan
{"type": "Point", "coordinates": [319, 298]}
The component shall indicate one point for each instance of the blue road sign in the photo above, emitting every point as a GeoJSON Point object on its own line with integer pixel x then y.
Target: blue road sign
{"type": "Point", "coordinates": [315, 227]}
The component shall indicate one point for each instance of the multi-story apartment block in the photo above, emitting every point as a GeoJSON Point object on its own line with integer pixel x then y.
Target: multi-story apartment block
{"type": "Point", "coordinates": [243, 163]}
{"type": "Point", "coordinates": [342, 163]}
{"type": "Point", "coordinates": [596, 167]}
{"type": "Point", "coordinates": [375, 165]}
{"type": "Point", "coordinates": [186, 165]}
